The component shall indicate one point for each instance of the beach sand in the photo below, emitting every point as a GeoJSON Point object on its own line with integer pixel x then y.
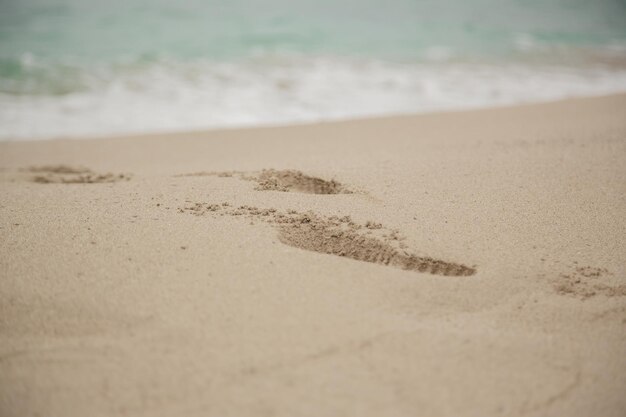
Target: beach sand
{"type": "Point", "coordinates": [455, 264]}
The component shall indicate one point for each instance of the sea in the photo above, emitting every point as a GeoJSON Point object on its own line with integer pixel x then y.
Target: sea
{"type": "Point", "coordinates": [91, 68]}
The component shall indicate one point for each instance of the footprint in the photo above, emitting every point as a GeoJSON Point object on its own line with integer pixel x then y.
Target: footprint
{"type": "Point", "coordinates": [586, 282]}
{"type": "Point", "coordinates": [338, 236]}
{"type": "Point", "coordinates": [64, 174]}
{"type": "Point", "coordinates": [284, 180]}
{"type": "Point", "coordinates": [289, 180]}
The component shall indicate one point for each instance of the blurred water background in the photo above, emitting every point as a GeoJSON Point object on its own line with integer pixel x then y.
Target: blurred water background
{"type": "Point", "coordinates": [91, 68]}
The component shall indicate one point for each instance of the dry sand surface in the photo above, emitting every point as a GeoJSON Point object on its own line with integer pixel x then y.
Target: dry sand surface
{"type": "Point", "coordinates": [459, 264]}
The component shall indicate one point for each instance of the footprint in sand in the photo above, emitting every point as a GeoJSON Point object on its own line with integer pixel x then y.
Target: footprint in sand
{"type": "Point", "coordinates": [369, 242]}
{"type": "Point", "coordinates": [586, 282]}
{"type": "Point", "coordinates": [64, 174]}
{"type": "Point", "coordinates": [283, 180]}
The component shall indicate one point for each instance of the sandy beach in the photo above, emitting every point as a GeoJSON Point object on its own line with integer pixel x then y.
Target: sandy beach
{"type": "Point", "coordinates": [451, 264]}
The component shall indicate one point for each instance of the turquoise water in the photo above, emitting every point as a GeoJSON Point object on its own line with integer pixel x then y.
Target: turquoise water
{"type": "Point", "coordinates": [116, 64]}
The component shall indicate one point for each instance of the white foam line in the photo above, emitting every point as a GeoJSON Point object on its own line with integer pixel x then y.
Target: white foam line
{"type": "Point", "coordinates": [174, 98]}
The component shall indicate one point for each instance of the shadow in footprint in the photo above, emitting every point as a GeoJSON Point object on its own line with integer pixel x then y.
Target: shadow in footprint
{"type": "Point", "coordinates": [283, 180]}
{"type": "Point", "coordinates": [290, 180]}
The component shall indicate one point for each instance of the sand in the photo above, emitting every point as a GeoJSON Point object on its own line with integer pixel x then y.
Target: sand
{"type": "Point", "coordinates": [455, 264]}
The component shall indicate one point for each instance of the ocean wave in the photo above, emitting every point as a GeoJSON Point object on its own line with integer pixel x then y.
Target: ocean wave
{"type": "Point", "coordinates": [156, 95]}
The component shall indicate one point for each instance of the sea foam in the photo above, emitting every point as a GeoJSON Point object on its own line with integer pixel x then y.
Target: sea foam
{"type": "Point", "coordinates": [269, 90]}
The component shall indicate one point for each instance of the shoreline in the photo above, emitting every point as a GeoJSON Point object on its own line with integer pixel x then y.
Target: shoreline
{"type": "Point", "coordinates": [451, 263]}
{"type": "Point", "coordinates": [305, 123]}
